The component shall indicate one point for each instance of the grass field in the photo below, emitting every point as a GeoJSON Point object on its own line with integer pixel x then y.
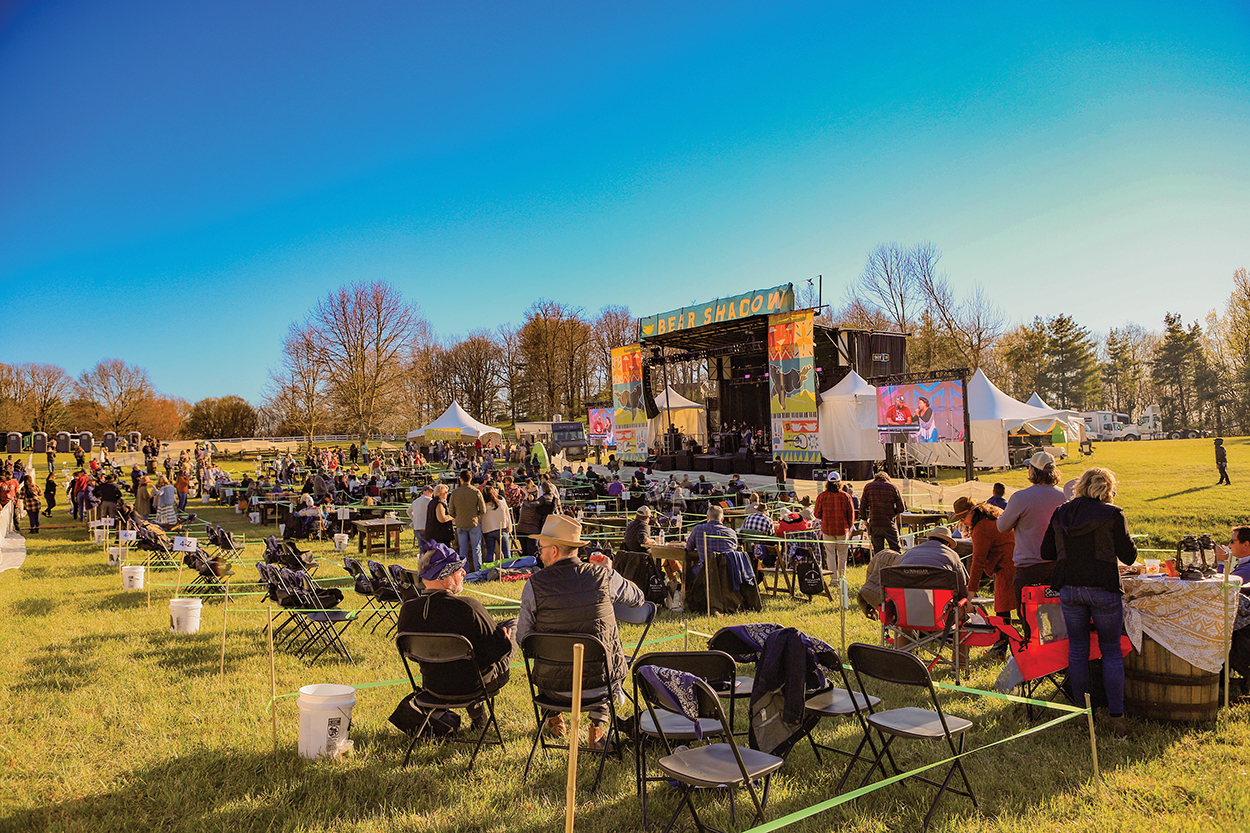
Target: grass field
{"type": "Point", "coordinates": [114, 724]}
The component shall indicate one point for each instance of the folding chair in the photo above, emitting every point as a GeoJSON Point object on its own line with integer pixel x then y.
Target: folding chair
{"type": "Point", "coordinates": [909, 722]}
{"type": "Point", "coordinates": [210, 573]}
{"type": "Point", "coordinates": [643, 615]}
{"type": "Point", "coordinates": [714, 667]}
{"type": "Point", "coordinates": [842, 702]}
{"type": "Point", "coordinates": [715, 765]}
{"type": "Point", "coordinates": [230, 548]}
{"type": "Point", "coordinates": [443, 649]}
{"type": "Point", "coordinates": [922, 611]}
{"type": "Point", "coordinates": [325, 624]}
{"type": "Point", "coordinates": [1040, 648]}
{"type": "Point", "coordinates": [744, 643]}
{"type": "Point", "coordinates": [554, 651]}
{"type": "Point", "coordinates": [386, 595]}
{"type": "Point", "coordinates": [364, 588]}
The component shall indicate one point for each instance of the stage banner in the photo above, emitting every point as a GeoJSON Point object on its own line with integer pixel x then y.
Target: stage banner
{"type": "Point", "coordinates": [599, 427]}
{"type": "Point", "coordinates": [629, 414]}
{"type": "Point", "coordinates": [792, 387]}
{"type": "Point", "coordinates": [757, 302]}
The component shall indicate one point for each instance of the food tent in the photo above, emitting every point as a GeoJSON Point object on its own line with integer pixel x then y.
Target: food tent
{"type": "Point", "coordinates": [690, 418]}
{"type": "Point", "coordinates": [994, 415]}
{"type": "Point", "coordinates": [455, 424]}
{"type": "Point", "coordinates": [848, 421]}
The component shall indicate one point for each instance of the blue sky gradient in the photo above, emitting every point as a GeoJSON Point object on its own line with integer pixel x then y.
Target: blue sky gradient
{"type": "Point", "coordinates": [179, 182]}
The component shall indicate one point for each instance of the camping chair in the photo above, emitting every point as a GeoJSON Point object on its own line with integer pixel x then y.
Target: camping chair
{"type": "Point", "coordinates": [555, 650]}
{"type": "Point", "coordinates": [922, 611]}
{"type": "Point", "coordinates": [364, 588]}
{"type": "Point", "coordinates": [642, 615]}
{"type": "Point", "coordinates": [445, 649]}
{"type": "Point", "coordinates": [1039, 648]}
{"type": "Point", "coordinates": [714, 667]}
{"type": "Point", "coordinates": [716, 765]}
{"type": "Point", "coordinates": [385, 595]}
{"type": "Point", "coordinates": [906, 669]}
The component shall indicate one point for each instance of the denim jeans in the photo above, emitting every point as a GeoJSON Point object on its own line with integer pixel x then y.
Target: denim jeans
{"type": "Point", "coordinates": [496, 540]}
{"type": "Point", "coordinates": [1106, 609]}
{"type": "Point", "coordinates": [469, 545]}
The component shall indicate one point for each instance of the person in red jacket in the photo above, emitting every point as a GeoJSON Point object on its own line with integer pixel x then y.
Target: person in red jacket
{"type": "Point", "coordinates": [991, 555]}
{"type": "Point", "coordinates": [836, 514]}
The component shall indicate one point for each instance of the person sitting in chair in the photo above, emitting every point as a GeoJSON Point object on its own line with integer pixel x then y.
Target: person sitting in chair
{"type": "Point", "coordinates": [440, 608]}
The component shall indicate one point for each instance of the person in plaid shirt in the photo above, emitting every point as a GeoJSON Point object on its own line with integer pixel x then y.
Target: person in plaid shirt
{"type": "Point", "coordinates": [836, 514]}
{"type": "Point", "coordinates": [882, 504]}
{"type": "Point", "coordinates": [513, 495]}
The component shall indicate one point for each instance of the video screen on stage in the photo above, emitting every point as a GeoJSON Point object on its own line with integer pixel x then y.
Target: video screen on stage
{"type": "Point", "coordinates": [921, 412]}
{"type": "Point", "coordinates": [599, 427]}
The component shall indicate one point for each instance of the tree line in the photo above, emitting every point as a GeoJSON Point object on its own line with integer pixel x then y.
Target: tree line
{"type": "Point", "coordinates": [364, 359]}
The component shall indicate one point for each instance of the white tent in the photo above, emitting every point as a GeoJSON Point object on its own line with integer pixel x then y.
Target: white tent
{"type": "Point", "coordinates": [1037, 402]}
{"type": "Point", "coordinates": [688, 417]}
{"type": "Point", "coordinates": [454, 422]}
{"type": "Point", "coordinates": [848, 421]}
{"type": "Point", "coordinates": [994, 415]}
{"type": "Point", "coordinates": [12, 545]}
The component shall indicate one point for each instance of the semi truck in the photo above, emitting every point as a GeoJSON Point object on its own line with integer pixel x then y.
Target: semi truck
{"type": "Point", "coordinates": [568, 437]}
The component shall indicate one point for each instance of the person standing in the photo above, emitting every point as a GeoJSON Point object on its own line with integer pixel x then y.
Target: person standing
{"type": "Point", "coordinates": [1221, 462]}
{"type": "Point", "coordinates": [1087, 539]}
{"type": "Point", "coordinates": [31, 501]}
{"type": "Point", "coordinates": [49, 493]}
{"type": "Point", "coordinates": [183, 487]}
{"type": "Point", "coordinates": [419, 512]}
{"type": "Point", "coordinates": [466, 507]}
{"type": "Point", "coordinates": [779, 472]}
{"type": "Point", "coordinates": [1028, 514]}
{"type": "Point", "coordinates": [166, 500]}
{"type": "Point", "coordinates": [882, 504]}
{"type": "Point", "coordinates": [439, 525]}
{"type": "Point", "coordinates": [496, 525]}
{"type": "Point", "coordinates": [837, 517]}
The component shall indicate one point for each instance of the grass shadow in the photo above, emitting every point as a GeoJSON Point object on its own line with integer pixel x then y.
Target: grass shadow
{"type": "Point", "coordinates": [59, 668]}
{"type": "Point", "coordinates": [121, 600]}
{"type": "Point", "coordinates": [34, 607]}
{"type": "Point", "coordinates": [1179, 494]}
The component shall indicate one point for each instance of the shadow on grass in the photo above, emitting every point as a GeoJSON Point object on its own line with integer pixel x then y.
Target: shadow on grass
{"type": "Point", "coordinates": [1178, 494]}
{"type": "Point", "coordinates": [62, 666]}
{"type": "Point", "coordinates": [121, 600]}
{"type": "Point", "coordinates": [34, 607]}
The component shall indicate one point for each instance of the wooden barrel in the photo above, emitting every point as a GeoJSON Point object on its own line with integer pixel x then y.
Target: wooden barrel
{"type": "Point", "coordinates": [1161, 686]}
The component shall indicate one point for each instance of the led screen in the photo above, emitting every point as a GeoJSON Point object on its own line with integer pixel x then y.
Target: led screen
{"type": "Point", "coordinates": [921, 412]}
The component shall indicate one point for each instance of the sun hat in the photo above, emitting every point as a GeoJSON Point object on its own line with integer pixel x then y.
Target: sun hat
{"type": "Point", "coordinates": [561, 529]}
{"type": "Point", "coordinates": [962, 507]}
{"type": "Point", "coordinates": [644, 511]}
{"type": "Point", "coordinates": [806, 514]}
{"type": "Point", "coordinates": [943, 534]}
{"type": "Point", "coordinates": [1041, 460]}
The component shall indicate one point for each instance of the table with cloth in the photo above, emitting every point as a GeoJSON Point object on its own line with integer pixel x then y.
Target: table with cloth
{"type": "Point", "coordinates": [1185, 617]}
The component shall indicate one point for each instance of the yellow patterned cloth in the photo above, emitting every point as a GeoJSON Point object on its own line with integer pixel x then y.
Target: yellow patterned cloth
{"type": "Point", "coordinates": [1185, 617]}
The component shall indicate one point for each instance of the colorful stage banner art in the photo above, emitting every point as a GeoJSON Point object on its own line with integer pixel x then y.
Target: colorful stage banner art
{"type": "Point", "coordinates": [758, 302]}
{"type": "Point", "coordinates": [599, 426]}
{"type": "Point", "coordinates": [792, 387]}
{"type": "Point", "coordinates": [629, 414]}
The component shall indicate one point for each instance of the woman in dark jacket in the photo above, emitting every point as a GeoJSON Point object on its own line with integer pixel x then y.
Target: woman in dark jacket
{"type": "Point", "coordinates": [1088, 538]}
{"type": "Point", "coordinates": [438, 524]}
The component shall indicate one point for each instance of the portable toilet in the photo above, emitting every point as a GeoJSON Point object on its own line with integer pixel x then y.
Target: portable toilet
{"type": "Point", "coordinates": [84, 441]}
{"type": "Point", "coordinates": [14, 443]}
{"type": "Point", "coordinates": [39, 443]}
{"type": "Point", "coordinates": [62, 442]}
{"type": "Point", "coordinates": [110, 441]}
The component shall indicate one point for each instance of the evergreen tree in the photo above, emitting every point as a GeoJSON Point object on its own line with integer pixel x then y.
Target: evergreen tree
{"type": "Point", "coordinates": [1021, 355]}
{"type": "Point", "coordinates": [1121, 373]}
{"type": "Point", "coordinates": [1172, 369]}
{"type": "Point", "coordinates": [1070, 373]}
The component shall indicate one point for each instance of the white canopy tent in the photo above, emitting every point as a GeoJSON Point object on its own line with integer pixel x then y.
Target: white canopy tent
{"type": "Point", "coordinates": [690, 418]}
{"type": "Point", "coordinates": [848, 421]}
{"type": "Point", "coordinates": [994, 415]}
{"type": "Point", "coordinates": [457, 422]}
{"type": "Point", "coordinates": [1037, 402]}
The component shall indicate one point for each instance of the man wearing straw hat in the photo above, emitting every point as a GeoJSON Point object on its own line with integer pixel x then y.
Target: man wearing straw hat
{"type": "Point", "coordinates": [572, 596]}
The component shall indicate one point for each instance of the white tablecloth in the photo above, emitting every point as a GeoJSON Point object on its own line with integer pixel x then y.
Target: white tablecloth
{"type": "Point", "coordinates": [1185, 617]}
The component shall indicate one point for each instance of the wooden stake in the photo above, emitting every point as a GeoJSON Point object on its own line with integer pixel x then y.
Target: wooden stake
{"type": "Point", "coordinates": [273, 685]}
{"type": "Point", "coordinates": [1228, 625]}
{"type": "Point", "coordinates": [842, 607]}
{"type": "Point", "coordinates": [1093, 742]}
{"type": "Point", "coordinates": [570, 791]}
{"type": "Point", "coordinates": [225, 609]}
{"type": "Point", "coordinates": [685, 628]}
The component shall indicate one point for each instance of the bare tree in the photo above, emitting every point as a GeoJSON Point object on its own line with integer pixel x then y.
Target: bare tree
{"type": "Point", "coordinates": [888, 282]}
{"type": "Point", "coordinates": [474, 369]}
{"type": "Point", "coordinates": [973, 325]}
{"type": "Point", "coordinates": [47, 389]}
{"type": "Point", "coordinates": [114, 392]}
{"type": "Point", "coordinates": [508, 342]}
{"type": "Point", "coordinates": [367, 334]}
{"type": "Point", "coordinates": [298, 391]}
{"type": "Point", "coordinates": [613, 327]}
{"type": "Point", "coordinates": [14, 399]}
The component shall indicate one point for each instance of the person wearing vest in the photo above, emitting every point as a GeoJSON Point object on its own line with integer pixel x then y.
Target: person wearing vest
{"type": "Point", "coordinates": [572, 596]}
{"type": "Point", "coordinates": [1087, 539]}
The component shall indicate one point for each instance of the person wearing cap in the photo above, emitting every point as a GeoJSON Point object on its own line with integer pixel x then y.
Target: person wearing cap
{"type": "Point", "coordinates": [440, 608]}
{"type": "Point", "coordinates": [938, 550]}
{"type": "Point", "coordinates": [419, 512]}
{"type": "Point", "coordinates": [836, 514]}
{"type": "Point", "coordinates": [882, 504]}
{"type": "Point", "coordinates": [991, 555]}
{"type": "Point", "coordinates": [1028, 514]}
{"type": "Point", "coordinates": [638, 532]}
{"type": "Point", "coordinates": [1221, 462]}
{"type": "Point", "coordinates": [572, 596]}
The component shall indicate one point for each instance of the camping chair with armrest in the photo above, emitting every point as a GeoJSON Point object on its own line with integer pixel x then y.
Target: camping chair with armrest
{"type": "Point", "coordinates": [555, 650]}
{"type": "Point", "coordinates": [714, 667]}
{"type": "Point", "coordinates": [909, 722]}
{"type": "Point", "coordinates": [922, 611]}
{"type": "Point", "coordinates": [446, 649]}
{"type": "Point", "coordinates": [722, 764]}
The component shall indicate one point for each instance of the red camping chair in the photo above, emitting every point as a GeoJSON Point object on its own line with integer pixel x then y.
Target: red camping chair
{"type": "Point", "coordinates": [1040, 649]}
{"type": "Point", "coordinates": [923, 613]}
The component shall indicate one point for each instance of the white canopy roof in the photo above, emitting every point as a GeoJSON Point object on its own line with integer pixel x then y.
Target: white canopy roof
{"type": "Point", "coordinates": [1037, 402]}
{"type": "Point", "coordinates": [690, 418]}
{"type": "Point", "coordinates": [848, 421]}
{"type": "Point", "coordinates": [457, 419]}
{"type": "Point", "coordinates": [671, 400]}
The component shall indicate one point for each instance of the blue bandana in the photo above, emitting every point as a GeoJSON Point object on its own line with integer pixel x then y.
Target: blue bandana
{"type": "Point", "coordinates": [443, 562]}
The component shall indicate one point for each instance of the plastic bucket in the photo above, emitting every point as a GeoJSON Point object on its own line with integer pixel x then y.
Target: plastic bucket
{"type": "Point", "coordinates": [281, 530]}
{"type": "Point", "coordinates": [325, 716]}
{"type": "Point", "coordinates": [116, 554]}
{"type": "Point", "coordinates": [184, 615]}
{"type": "Point", "coordinates": [99, 535]}
{"type": "Point", "coordinates": [204, 499]}
{"type": "Point", "coordinates": [340, 542]}
{"type": "Point", "coordinates": [254, 517]}
{"type": "Point", "coordinates": [132, 577]}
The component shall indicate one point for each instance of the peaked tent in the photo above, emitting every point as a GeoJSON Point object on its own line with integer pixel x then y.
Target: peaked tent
{"type": "Point", "coordinates": [688, 417]}
{"type": "Point", "coordinates": [1037, 402]}
{"type": "Point", "coordinates": [994, 415]}
{"type": "Point", "coordinates": [455, 421]}
{"type": "Point", "coordinates": [848, 421]}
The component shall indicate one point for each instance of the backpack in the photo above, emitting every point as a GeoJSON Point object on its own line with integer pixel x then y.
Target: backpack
{"type": "Point", "coordinates": [808, 574]}
{"type": "Point", "coordinates": [656, 589]}
{"type": "Point", "coordinates": [408, 717]}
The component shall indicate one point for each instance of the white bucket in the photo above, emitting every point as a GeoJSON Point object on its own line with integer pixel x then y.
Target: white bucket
{"type": "Point", "coordinates": [238, 510]}
{"type": "Point", "coordinates": [184, 615]}
{"type": "Point", "coordinates": [116, 554]}
{"type": "Point", "coordinates": [340, 542]}
{"type": "Point", "coordinates": [325, 716]}
{"type": "Point", "coordinates": [132, 577]}
{"type": "Point", "coordinates": [99, 535]}
{"type": "Point", "coordinates": [204, 499]}
{"type": "Point", "coordinates": [254, 517]}
{"type": "Point", "coordinates": [281, 530]}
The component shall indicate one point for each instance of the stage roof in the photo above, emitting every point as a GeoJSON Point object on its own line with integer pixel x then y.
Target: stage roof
{"type": "Point", "coordinates": [714, 336]}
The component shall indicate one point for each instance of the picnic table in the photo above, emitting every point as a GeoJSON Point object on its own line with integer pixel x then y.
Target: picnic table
{"type": "Point", "coordinates": [369, 530]}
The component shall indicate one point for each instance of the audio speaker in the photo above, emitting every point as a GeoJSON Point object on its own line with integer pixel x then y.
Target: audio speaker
{"type": "Point", "coordinates": [648, 398]}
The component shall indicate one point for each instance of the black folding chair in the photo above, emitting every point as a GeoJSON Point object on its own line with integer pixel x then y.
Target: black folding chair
{"type": "Point", "coordinates": [905, 669]}
{"type": "Point", "coordinates": [716, 668]}
{"type": "Point", "coordinates": [555, 651]}
{"type": "Point", "coordinates": [363, 586]}
{"type": "Point", "coordinates": [715, 765]}
{"type": "Point", "coordinates": [642, 615]}
{"type": "Point", "coordinates": [386, 595]}
{"type": "Point", "coordinates": [445, 649]}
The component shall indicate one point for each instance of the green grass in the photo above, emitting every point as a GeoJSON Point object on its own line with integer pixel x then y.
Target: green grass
{"type": "Point", "coordinates": [115, 724]}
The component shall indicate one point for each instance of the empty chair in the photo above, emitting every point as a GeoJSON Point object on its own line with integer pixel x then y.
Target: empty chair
{"type": "Point", "coordinates": [642, 615]}
{"type": "Point", "coordinates": [386, 595]}
{"type": "Point", "coordinates": [923, 612]}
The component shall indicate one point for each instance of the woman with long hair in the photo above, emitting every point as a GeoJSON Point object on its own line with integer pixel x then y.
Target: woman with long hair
{"type": "Point", "coordinates": [496, 525]}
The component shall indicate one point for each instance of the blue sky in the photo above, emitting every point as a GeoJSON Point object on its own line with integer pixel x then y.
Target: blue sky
{"type": "Point", "coordinates": [179, 182]}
